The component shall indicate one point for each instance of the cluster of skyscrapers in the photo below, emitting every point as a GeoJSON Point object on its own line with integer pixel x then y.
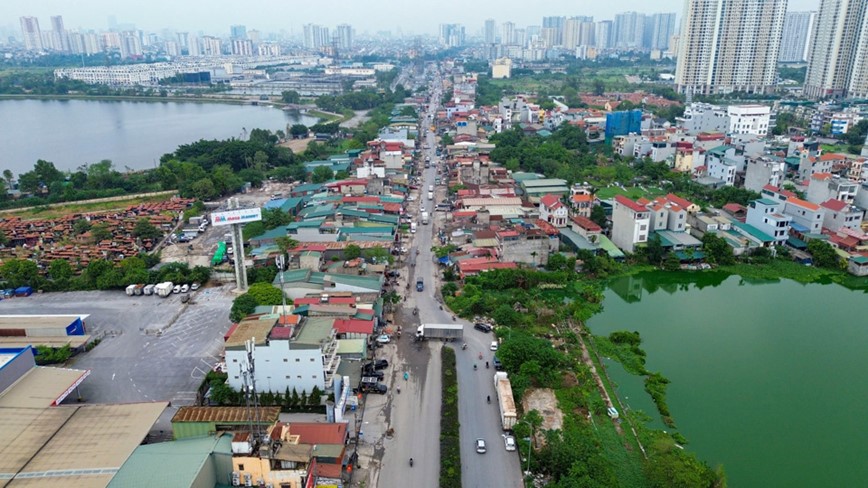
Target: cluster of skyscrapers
{"type": "Point", "coordinates": [317, 37]}
{"type": "Point", "coordinates": [730, 46]}
{"type": "Point", "coordinates": [629, 31]}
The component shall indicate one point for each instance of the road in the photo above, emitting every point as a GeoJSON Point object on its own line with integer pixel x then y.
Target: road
{"type": "Point", "coordinates": [479, 419]}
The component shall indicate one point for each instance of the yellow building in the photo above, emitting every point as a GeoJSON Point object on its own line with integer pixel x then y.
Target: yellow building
{"type": "Point", "coordinates": [502, 68]}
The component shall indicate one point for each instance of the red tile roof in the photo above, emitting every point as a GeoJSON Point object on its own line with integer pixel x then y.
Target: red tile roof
{"type": "Point", "coordinates": [821, 176]}
{"type": "Point", "coordinates": [281, 333]}
{"type": "Point", "coordinates": [803, 203]}
{"type": "Point", "coordinates": [678, 200]}
{"type": "Point", "coordinates": [586, 223]}
{"type": "Point", "coordinates": [550, 201]}
{"type": "Point", "coordinates": [353, 326]}
{"type": "Point", "coordinates": [833, 204]}
{"type": "Point", "coordinates": [630, 204]}
{"type": "Point", "coordinates": [319, 433]}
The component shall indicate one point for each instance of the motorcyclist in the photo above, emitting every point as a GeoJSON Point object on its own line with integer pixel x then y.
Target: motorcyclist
{"type": "Point", "coordinates": [486, 365]}
{"type": "Point", "coordinates": [474, 366]}
{"type": "Point", "coordinates": [411, 462]}
{"type": "Point", "coordinates": [488, 398]}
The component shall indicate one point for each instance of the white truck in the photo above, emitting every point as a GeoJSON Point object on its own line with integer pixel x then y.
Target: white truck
{"type": "Point", "coordinates": [508, 415]}
{"type": "Point", "coordinates": [430, 195]}
{"type": "Point", "coordinates": [164, 289]}
{"type": "Point", "coordinates": [131, 290]}
{"type": "Point", "coordinates": [439, 331]}
{"type": "Point", "coordinates": [424, 218]}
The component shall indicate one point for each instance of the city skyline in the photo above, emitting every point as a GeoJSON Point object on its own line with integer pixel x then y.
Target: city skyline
{"type": "Point", "coordinates": [270, 17]}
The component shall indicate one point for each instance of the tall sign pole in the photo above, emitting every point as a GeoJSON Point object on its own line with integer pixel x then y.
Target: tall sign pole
{"type": "Point", "coordinates": [235, 218]}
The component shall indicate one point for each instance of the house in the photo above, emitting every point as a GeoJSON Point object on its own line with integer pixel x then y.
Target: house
{"type": "Point", "coordinates": [763, 171]}
{"type": "Point", "coordinates": [631, 223]}
{"type": "Point", "coordinates": [767, 216]}
{"type": "Point", "coordinates": [807, 217]}
{"type": "Point", "coordinates": [666, 214]}
{"type": "Point", "coordinates": [551, 210]}
{"type": "Point", "coordinates": [523, 245]}
{"type": "Point", "coordinates": [858, 265]}
{"type": "Point", "coordinates": [839, 213]}
{"type": "Point", "coordinates": [722, 165]}
{"type": "Point", "coordinates": [582, 203]}
{"type": "Point", "coordinates": [825, 186]}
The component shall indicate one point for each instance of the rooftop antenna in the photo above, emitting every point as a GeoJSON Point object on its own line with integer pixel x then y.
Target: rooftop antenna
{"type": "Point", "coordinates": [248, 370]}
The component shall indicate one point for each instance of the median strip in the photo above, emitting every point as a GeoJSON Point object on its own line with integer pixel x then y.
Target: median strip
{"type": "Point", "coordinates": [450, 441]}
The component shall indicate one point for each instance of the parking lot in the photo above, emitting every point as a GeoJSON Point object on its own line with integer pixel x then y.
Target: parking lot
{"type": "Point", "coordinates": [152, 349]}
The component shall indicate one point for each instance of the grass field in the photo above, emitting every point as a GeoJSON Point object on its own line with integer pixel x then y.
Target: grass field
{"type": "Point", "coordinates": [612, 77]}
{"type": "Point", "coordinates": [632, 192]}
{"type": "Point", "coordinates": [62, 209]}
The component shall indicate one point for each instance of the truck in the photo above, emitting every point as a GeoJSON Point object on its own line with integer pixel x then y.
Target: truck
{"type": "Point", "coordinates": [131, 290]}
{"type": "Point", "coordinates": [149, 290]}
{"type": "Point", "coordinates": [430, 195]}
{"type": "Point", "coordinates": [424, 218]}
{"type": "Point", "coordinates": [439, 331]}
{"type": "Point", "coordinates": [505, 401]}
{"type": "Point", "coordinates": [139, 290]}
{"type": "Point", "coordinates": [164, 289]}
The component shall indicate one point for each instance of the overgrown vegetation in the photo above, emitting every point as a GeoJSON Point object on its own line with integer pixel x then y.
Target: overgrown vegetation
{"type": "Point", "coordinates": [450, 440]}
{"type": "Point", "coordinates": [49, 355]}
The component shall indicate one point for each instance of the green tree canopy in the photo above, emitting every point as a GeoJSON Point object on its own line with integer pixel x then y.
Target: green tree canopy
{"type": "Point", "coordinates": [265, 294]}
{"type": "Point", "coordinates": [144, 229]}
{"type": "Point", "coordinates": [322, 174]}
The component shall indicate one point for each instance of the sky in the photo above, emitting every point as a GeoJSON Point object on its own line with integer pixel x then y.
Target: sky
{"type": "Point", "coordinates": [417, 17]}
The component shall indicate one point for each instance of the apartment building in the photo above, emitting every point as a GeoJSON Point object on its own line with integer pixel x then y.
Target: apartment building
{"type": "Point", "coordinates": [729, 45]}
{"type": "Point", "coordinates": [807, 216]}
{"type": "Point", "coordinates": [837, 64]}
{"type": "Point", "coordinates": [839, 214]}
{"type": "Point", "coordinates": [749, 119]}
{"type": "Point", "coordinates": [824, 186]}
{"type": "Point", "coordinates": [763, 171]}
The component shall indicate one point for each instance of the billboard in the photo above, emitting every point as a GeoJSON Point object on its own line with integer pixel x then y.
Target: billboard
{"type": "Point", "coordinates": [239, 216]}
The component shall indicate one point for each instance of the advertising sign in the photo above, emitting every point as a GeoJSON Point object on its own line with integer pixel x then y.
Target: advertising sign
{"type": "Point", "coordinates": [239, 216]}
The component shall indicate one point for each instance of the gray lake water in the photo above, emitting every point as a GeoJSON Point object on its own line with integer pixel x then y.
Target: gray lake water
{"type": "Point", "coordinates": [130, 133]}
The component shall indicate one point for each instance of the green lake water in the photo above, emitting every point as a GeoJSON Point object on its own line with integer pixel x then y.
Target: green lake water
{"type": "Point", "coordinates": [767, 378]}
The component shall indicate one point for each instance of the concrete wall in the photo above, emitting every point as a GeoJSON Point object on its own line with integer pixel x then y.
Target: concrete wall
{"type": "Point", "coordinates": [15, 369]}
{"type": "Point", "coordinates": [520, 251]}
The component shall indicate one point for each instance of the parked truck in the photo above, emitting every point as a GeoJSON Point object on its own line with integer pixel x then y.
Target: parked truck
{"type": "Point", "coordinates": [439, 331]}
{"type": "Point", "coordinates": [424, 218]}
{"type": "Point", "coordinates": [508, 416]}
{"type": "Point", "coordinates": [164, 289]}
{"type": "Point", "coordinates": [131, 290]}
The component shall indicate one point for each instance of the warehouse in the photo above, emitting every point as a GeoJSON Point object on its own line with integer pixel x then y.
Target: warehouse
{"type": "Point", "coordinates": [44, 330]}
{"type": "Point", "coordinates": [191, 422]}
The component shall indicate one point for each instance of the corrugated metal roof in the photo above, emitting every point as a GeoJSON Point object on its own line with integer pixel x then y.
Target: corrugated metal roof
{"type": "Point", "coordinates": [268, 415]}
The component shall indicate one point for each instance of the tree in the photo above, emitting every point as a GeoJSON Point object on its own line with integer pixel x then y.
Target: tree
{"type": "Point", "coordinates": [242, 306]}
{"type": "Point", "coordinates": [321, 174]}
{"type": "Point", "coordinates": [671, 263]}
{"type": "Point", "coordinates": [144, 229]}
{"type": "Point", "coordinates": [447, 140]}
{"type": "Point", "coordinates": [265, 294]}
{"type": "Point", "coordinates": [60, 270]}
{"type": "Point", "coordinates": [315, 398]}
{"type": "Point", "coordinates": [717, 250]}
{"type": "Point", "coordinates": [81, 226]}
{"type": "Point", "coordinates": [856, 134]}
{"type": "Point", "coordinates": [9, 177]}
{"type": "Point", "coordinates": [20, 272]}
{"type": "Point", "coordinates": [599, 87]}
{"type": "Point", "coordinates": [286, 242]}
{"type": "Point", "coordinates": [352, 251]}
{"type": "Point", "coordinates": [298, 131]}
{"type": "Point", "coordinates": [290, 96]}
{"type": "Point", "coordinates": [100, 232]}
{"type": "Point", "coordinates": [598, 216]}
{"type": "Point", "coordinates": [654, 250]}
{"type": "Point", "coordinates": [824, 255]}
{"type": "Point", "coordinates": [203, 189]}
{"type": "Point", "coordinates": [273, 218]}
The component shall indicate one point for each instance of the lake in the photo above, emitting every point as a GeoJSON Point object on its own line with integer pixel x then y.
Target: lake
{"type": "Point", "coordinates": [130, 133]}
{"type": "Point", "coordinates": [766, 377]}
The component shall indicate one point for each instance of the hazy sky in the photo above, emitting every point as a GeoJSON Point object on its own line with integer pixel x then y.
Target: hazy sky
{"type": "Point", "coordinates": [215, 16]}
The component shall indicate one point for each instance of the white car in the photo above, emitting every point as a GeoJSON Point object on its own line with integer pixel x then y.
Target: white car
{"type": "Point", "coordinates": [185, 288]}
{"type": "Point", "coordinates": [194, 286]}
{"type": "Point", "coordinates": [509, 442]}
{"type": "Point", "coordinates": [493, 346]}
{"type": "Point", "coordinates": [480, 446]}
{"type": "Point", "coordinates": [176, 289]}
{"type": "Point", "coordinates": [384, 339]}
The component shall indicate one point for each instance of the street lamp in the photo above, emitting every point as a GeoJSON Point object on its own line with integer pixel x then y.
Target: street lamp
{"type": "Point", "coordinates": [529, 444]}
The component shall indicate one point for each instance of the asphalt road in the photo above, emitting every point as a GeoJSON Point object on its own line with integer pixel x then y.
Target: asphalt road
{"type": "Point", "coordinates": [479, 419]}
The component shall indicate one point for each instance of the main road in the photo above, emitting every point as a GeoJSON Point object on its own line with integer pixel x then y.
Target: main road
{"type": "Point", "coordinates": [479, 419]}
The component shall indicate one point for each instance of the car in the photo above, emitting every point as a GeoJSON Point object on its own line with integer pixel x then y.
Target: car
{"type": "Point", "coordinates": [176, 289]}
{"type": "Point", "coordinates": [185, 288]}
{"type": "Point", "coordinates": [375, 374]}
{"type": "Point", "coordinates": [384, 339]}
{"type": "Point", "coordinates": [497, 364]}
{"type": "Point", "coordinates": [493, 346]}
{"type": "Point", "coordinates": [376, 365]}
{"type": "Point", "coordinates": [420, 285]}
{"type": "Point", "coordinates": [194, 286]}
{"type": "Point", "coordinates": [480, 446]}
{"type": "Point", "coordinates": [483, 327]}
{"type": "Point", "coordinates": [509, 442]}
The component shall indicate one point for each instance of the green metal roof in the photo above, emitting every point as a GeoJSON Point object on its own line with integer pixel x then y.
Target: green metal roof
{"type": "Point", "coordinates": [314, 331]}
{"type": "Point", "coordinates": [859, 259]}
{"type": "Point", "coordinates": [719, 150]}
{"type": "Point", "coordinates": [292, 276]}
{"type": "Point", "coordinates": [766, 201]}
{"type": "Point", "coordinates": [367, 230]}
{"type": "Point", "coordinates": [174, 463]}
{"type": "Point", "coordinates": [271, 234]}
{"type": "Point", "coordinates": [307, 187]}
{"type": "Point", "coordinates": [305, 224]}
{"type": "Point", "coordinates": [544, 182]}
{"type": "Point", "coordinates": [577, 240]}
{"type": "Point", "coordinates": [754, 232]}
{"type": "Point", "coordinates": [611, 249]}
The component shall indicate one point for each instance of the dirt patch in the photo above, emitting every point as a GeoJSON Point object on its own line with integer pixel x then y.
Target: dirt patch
{"type": "Point", "coordinates": [297, 145]}
{"type": "Point", "coordinates": [543, 400]}
{"type": "Point", "coordinates": [569, 380]}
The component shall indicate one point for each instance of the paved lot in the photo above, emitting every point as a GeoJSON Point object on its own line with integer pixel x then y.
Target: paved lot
{"type": "Point", "coordinates": [155, 349]}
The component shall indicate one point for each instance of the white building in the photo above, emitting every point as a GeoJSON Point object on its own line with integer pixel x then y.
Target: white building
{"type": "Point", "coordinates": [553, 211]}
{"type": "Point", "coordinates": [837, 64]}
{"type": "Point", "coordinates": [729, 45]}
{"type": "Point", "coordinates": [501, 68]}
{"type": "Point", "coordinates": [767, 216]}
{"type": "Point", "coordinates": [631, 223]}
{"type": "Point", "coordinates": [299, 358]}
{"type": "Point", "coordinates": [748, 119]}
{"type": "Point", "coordinates": [32, 34]}
{"type": "Point", "coordinates": [839, 214]}
{"type": "Point", "coordinates": [763, 171]}
{"type": "Point", "coordinates": [798, 28]}
{"type": "Point", "coordinates": [808, 215]}
{"type": "Point", "coordinates": [703, 117]}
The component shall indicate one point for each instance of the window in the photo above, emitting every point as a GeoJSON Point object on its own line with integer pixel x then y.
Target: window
{"type": "Point", "coordinates": [313, 376]}
{"type": "Point", "coordinates": [285, 360]}
{"type": "Point", "coordinates": [298, 360]}
{"type": "Point", "coordinates": [311, 359]}
{"type": "Point", "coordinates": [642, 227]}
{"type": "Point", "coordinates": [299, 376]}
{"type": "Point", "coordinates": [287, 376]}
{"type": "Point", "coordinates": [240, 467]}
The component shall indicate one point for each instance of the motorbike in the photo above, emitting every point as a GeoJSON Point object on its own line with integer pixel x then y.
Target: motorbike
{"type": "Point", "coordinates": [486, 365]}
{"type": "Point", "coordinates": [488, 398]}
{"type": "Point", "coordinates": [453, 318]}
{"type": "Point", "coordinates": [480, 355]}
{"type": "Point", "coordinates": [398, 389]}
{"type": "Point", "coordinates": [411, 462]}
{"type": "Point", "coordinates": [474, 367]}
{"type": "Point", "coordinates": [441, 307]}
{"type": "Point", "coordinates": [464, 346]}
{"type": "Point", "coordinates": [415, 311]}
